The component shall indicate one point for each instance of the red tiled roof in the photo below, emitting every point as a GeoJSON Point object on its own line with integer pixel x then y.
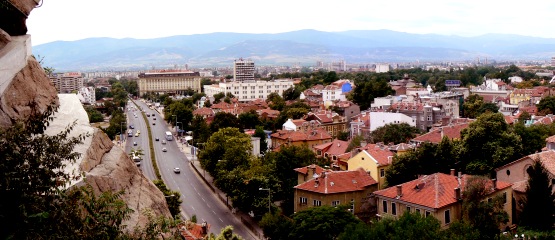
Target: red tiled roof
{"type": "Point", "coordinates": [433, 191]}
{"type": "Point", "coordinates": [547, 158]}
{"type": "Point", "coordinates": [509, 119]}
{"type": "Point", "coordinates": [204, 111]}
{"type": "Point", "coordinates": [550, 139]}
{"type": "Point", "coordinates": [545, 120]}
{"type": "Point", "coordinates": [434, 136]}
{"type": "Point", "coordinates": [295, 136]}
{"type": "Point", "coordinates": [380, 153]}
{"type": "Point", "coordinates": [335, 147]}
{"type": "Point", "coordinates": [338, 182]}
{"type": "Point", "coordinates": [304, 170]}
{"type": "Point", "coordinates": [192, 231]}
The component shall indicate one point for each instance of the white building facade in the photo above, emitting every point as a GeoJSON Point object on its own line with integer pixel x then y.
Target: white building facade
{"type": "Point", "coordinates": [380, 119]}
{"type": "Point", "coordinates": [247, 91]}
{"type": "Point", "coordinates": [172, 82]}
{"type": "Point", "coordinates": [87, 95]}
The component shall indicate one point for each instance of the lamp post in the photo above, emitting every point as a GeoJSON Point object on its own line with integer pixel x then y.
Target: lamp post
{"type": "Point", "coordinates": [269, 197]}
{"type": "Point", "coordinates": [121, 133]}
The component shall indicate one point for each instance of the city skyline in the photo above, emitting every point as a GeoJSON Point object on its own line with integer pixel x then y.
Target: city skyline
{"type": "Point", "coordinates": [73, 20]}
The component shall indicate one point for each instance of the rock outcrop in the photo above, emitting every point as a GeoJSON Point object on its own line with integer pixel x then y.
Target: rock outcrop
{"type": "Point", "coordinates": [25, 91]}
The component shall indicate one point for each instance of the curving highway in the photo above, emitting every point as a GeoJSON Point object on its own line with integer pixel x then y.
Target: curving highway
{"type": "Point", "coordinates": [197, 198]}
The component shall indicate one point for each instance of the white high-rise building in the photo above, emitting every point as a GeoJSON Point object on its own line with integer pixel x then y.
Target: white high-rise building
{"type": "Point", "coordinates": [243, 70]}
{"type": "Point", "coordinates": [67, 82]}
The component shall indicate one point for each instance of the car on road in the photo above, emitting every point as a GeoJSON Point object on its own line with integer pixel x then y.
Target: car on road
{"type": "Point", "coordinates": [134, 143]}
{"type": "Point", "coordinates": [154, 118]}
{"type": "Point", "coordinates": [164, 150]}
{"type": "Point", "coordinates": [153, 123]}
{"type": "Point", "coordinates": [157, 139]}
{"type": "Point", "coordinates": [136, 134]}
{"type": "Point", "coordinates": [163, 141]}
{"type": "Point", "coordinates": [139, 131]}
{"type": "Point", "coordinates": [176, 170]}
{"type": "Point", "coordinates": [131, 126]}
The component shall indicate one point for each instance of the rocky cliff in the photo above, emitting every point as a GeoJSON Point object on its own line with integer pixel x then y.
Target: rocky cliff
{"type": "Point", "coordinates": [25, 90]}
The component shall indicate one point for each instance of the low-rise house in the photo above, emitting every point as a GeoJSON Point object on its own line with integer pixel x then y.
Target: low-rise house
{"type": "Point", "coordinates": [515, 173]}
{"type": "Point", "coordinates": [193, 231]}
{"type": "Point", "coordinates": [204, 112]}
{"type": "Point", "coordinates": [337, 188]}
{"type": "Point", "coordinates": [373, 158]}
{"type": "Point", "coordinates": [425, 114]}
{"type": "Point", "coordinates": [310, 138]}
{"type": "Point", "coordinates": [309, 172]}
{"type": "Point", "coordinates": [438, 195]}
{"type": "Point", "coordinates": [328, 120]}
{"type": "Point", "coordinates": [332, 149]}
{"type": "Point", "coordinates": [436, 135]}
{"type": "Point", "coordinates": [267, 113]}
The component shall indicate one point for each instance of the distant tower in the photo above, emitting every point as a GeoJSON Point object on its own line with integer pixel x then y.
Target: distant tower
{"type": "Point", "coordinates": [553, 61]}
{"type": "Point", "coordinates": [243, 70]}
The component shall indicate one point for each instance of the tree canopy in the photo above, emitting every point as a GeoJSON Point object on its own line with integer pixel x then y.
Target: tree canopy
{"type": "Point", "coordinates": [539, 206]}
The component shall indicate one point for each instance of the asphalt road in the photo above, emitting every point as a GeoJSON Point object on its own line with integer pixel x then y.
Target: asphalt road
{"type": "Point", "coordinates": [142, 141]}
{"type": "Point", "coordinates": [197, 198]}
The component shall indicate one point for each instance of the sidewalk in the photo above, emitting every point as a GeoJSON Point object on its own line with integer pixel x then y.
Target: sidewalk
{"type": "Point", "coordinates": [244, 217]}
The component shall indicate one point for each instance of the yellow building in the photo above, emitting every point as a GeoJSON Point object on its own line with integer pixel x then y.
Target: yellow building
{"type": "Point", "coordinates": [437, 195]}
{"type": "Point", "coordinates": [169, 81]}
{"type": "Point", "coordinates": [374, 159]}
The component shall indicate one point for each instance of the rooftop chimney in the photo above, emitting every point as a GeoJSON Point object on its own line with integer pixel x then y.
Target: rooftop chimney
{"type": "Point", "coordinates": [399, 191]}
{"type": "Point", "coordinates": [452, 172]}
{"type": "Point", "coordinates": [494, 183]}
{"type": "Point", "coordinates": [458, 193]}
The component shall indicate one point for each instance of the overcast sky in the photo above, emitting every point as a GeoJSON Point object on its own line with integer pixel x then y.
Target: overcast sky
{"type": "Point", "coordinates": [70, 20]}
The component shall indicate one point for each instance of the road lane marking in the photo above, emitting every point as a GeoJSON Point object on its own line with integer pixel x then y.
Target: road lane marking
{"type": "Point", "coordinates": [220, 219]}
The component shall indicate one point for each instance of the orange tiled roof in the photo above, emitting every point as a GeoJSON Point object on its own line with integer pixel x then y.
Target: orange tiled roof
{"type": "Point", "coordinates": [338, 182]}
{"type": "Point", "coordinates": [434, 136]}
{"type": "Point", "coordinates": [550, 139]}
{"type": "Point", "coordinates": [545, 120]}
{"type": "Point", "coordinates": [380, 153]}
{"type": "Point", "coordinates": [192, 231]}
{"type": "Point", "coordinates": [433, 191]}
{"type": "Point", "coordinates": [204, 111]}
{"type": "Point", "coordinates": [295, 136]}
{"type": "Point", "coordinates": [547, 158]}
{"type": "Point", "coordinates": [317, 169]}
{"type": "Point", "coordinates": [335, 147]}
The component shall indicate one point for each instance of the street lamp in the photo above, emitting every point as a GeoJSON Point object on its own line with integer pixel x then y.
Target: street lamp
{"type": "Point", "coordinates": [121, 133]}
{"type": "Point", "coordinates": [269, 197]}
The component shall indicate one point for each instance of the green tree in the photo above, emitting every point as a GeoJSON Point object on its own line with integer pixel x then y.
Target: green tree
{"type": "Point", "coordinates": [228, 145]}
{"type": "Point", "coordinates": [249, 120]}
{"type": "Point", "coordinates": [225, 234]}
{"type": "Point", "coordinates": [218, 97]}
{"type": "Point", "coordinates": [488, 143]}
{"type": "Point", "coordinates": [538, 212]}
{"type": "Point", "coordinates": [324, 222]}
{"type": "Point", "coordinates": [94, 115]}
{"type": "Point", "coordinates": [291, 93]}
{"type": "Point", "coordinates": [395, 133]}
{"type": "Point", "coordinates": [523, 117]}
{"type": "Point", "coordinates": [276, 226]}
{"type": "Point", "coordinates": [178, 112]}
{"type": "Point", "coordinates": [275, 101]}
{"type": "Point", "coordinates": [484, 215]}
{"type": "Point", "coordinates": [173, 198]}
{"type": "Point", "coordinates": [330, 77]}
{"type": "Point", "coordinates": [224, 120]}
{"type": "Point", "coordinates": [547, 105]}
{"type": "Point", "coordinates": [472, 105]}
{"type": "Point", "coordinates": [369, 88]}
{"type": "Point", "coordinates": [201, 130]}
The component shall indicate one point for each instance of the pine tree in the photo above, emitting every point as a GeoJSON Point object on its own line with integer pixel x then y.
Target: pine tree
{"type": "Point", "coordinates": [539, 209]}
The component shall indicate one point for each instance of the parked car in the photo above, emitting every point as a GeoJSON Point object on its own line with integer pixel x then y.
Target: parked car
{"type": "Point", "coordinates": [153, 123]}
{"type": "Point", "coordinates": [164, 150]}
{"type": "Point", "coordinates": [163, 141]}
{"type": "Point", "coordinates": [157, 139]}
{"type": "Point", "coordinates": [135, 143]}
{"type": "Point", "coordinates": [176, 170]}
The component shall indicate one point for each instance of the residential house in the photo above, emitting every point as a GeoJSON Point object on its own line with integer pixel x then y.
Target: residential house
{"type": "Point", "coordinates": [360, 124]}
{"type": "Point", "coordinates": [515, 173]}
{"type": "Point", "coordinates": [193, 231]}
{"type": "Point", "coordinates": [436, 135]}
{"type": "Point", "coordinates": [331, 149]}
{"type": "Point", "coordinates": [345, 109]}
{"type": "Point", "coordinates": [310, 138]}
{"type": "Point", "coordinates": [204, 112]}
{"type": "Point", "coordinates": [336, 188]}
{"type": "Point", "coordinates": [267, 113]}
{"type": "Point", "coordinates": [310, 95]}
{"type": "Point", "coordinates": [438, 195]}
{"type": "Point", "coordinates": [309, 172]}
{"type": "Point", "coordinates": [373, 158]}
{"type": "Point", "coordinates": [329, 120]}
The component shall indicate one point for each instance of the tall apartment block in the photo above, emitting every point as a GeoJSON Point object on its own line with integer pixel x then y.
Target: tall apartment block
{"type": "Point", "coordinates": [67, 82]}
{"type": "Point", "coordinates": [243, 70]}
{"type": "Point", "coordinates": [169, 81]}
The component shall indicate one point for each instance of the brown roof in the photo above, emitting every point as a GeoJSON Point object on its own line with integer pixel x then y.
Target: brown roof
{"type": "Point", "coordinates": [433, 191]}
{"type": "Point", "coordinates": [550, 139]}
{"type": "Point", "coordinates": [192, 231]}
{"type": "Point", "coordinates": [435, 136]}
{"type": "Point", "coordinates": [304, 170]}
{"type": "Point", "coordinates": [547, 158]}
{"type": "Point", "coordinates": [335, 147]}
{"type": "Point", "coordinates": [295, 136]}
{"type": "Point", "coordinates": [379, 152]}
{"type": "Point", "coordinates": [338, 182]}
{"type": "Point", "coordinates": [545, 120]}
{"type": "Point", "coordinates": [204, 111]}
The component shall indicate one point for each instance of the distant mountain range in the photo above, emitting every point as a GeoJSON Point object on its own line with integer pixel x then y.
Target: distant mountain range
{"type": "Point", "coordinates": [304, 47]}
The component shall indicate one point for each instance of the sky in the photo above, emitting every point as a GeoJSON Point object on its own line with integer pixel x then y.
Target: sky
{"type": "Point", "coordinates": [70, 20]}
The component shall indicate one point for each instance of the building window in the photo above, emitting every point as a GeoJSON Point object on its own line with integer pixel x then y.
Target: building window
{"type": "Point", "coordinates": [429, 118]}
{"type": "Point", "coordinates": [447, 216]}
{"type": "Point", "coordinates": [317, 203]}
{"type": "Point", "coordinates": [382, 172]}
{"type": "Point", "coordinates": [302, 201]}
{"type": "Point", "coordinates": [417, 210]}
{"type": "Point", "coordinates": [427, 213]}
{"type": "Point", "coordinates": [384, 206]}
{"type": "Point", "coordinates": [334, 203]}
{"type": "Point", "coordinates": [504, 197]}
{"type": "Point", "coordinates": [394, 208]}
{"type": "Point", "coordinates": [408, 209]}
